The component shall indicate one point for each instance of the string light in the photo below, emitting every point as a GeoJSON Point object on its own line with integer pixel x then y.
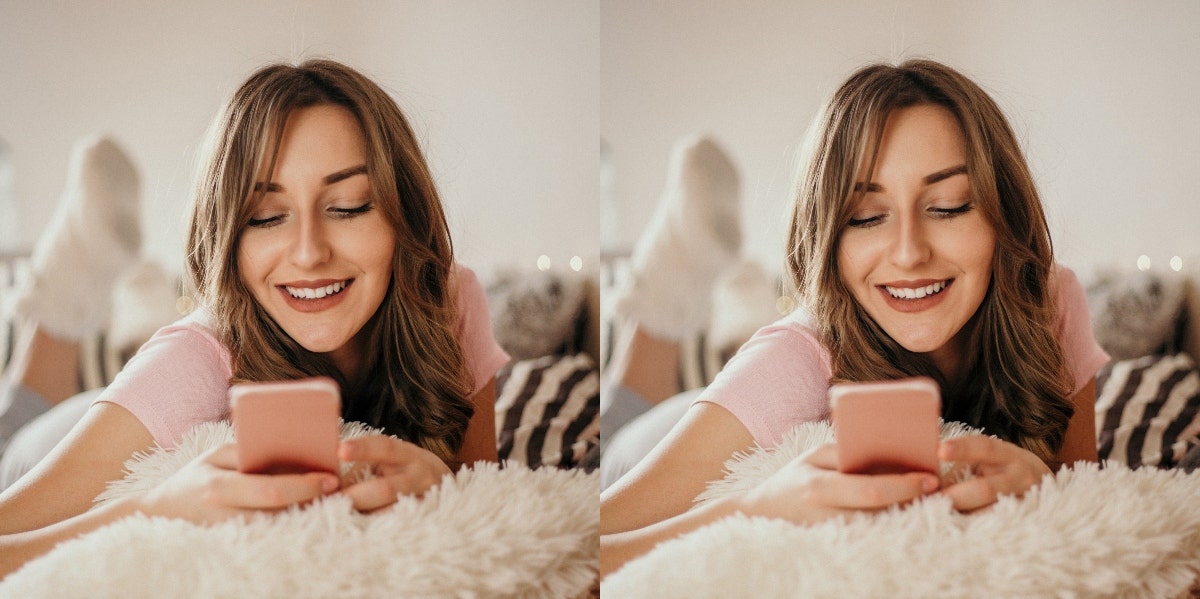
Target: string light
{"type": "Point", "coordinates": [784, 305]}
{"type": "Point", "coordinates": [1176, 263]}
{"type": "Point", "coordinates": [1143, 262]}
{"type": "Point", "coordinates": [543, 262]}
{"type": "Point", "coordinates": [576, 263]}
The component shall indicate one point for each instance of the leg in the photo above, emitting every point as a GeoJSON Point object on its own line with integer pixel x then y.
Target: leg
{"type": "Point", "coordinates": [693, 236]}
{"type": "Point", "coordinates": [634, 441]}
{"type": "Point", "coordinates": [45, 364]}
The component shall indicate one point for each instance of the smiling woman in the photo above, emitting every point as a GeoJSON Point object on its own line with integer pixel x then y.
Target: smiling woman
{"type": "Point", "coordinates": [317, 246]}
{"type": "Point", "coordinates": [918, 247]}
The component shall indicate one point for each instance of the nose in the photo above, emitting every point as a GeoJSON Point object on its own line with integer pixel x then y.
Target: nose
{"type": "Point", "coordinates": [910, 248]}
{"type": "Point", "coordinates": [311, 247]}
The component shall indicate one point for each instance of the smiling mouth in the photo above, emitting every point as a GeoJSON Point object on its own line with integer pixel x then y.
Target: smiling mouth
{"type": "Point", "coordinates": [311, 293]}
{"type": "Point", "coordinates": [911, 293]}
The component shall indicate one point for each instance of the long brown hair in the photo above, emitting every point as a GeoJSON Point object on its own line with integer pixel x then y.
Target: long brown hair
{"type": "Point", "coordinates": [1015, 382]}
{"type": "Point", "coordinates": [413, 381]}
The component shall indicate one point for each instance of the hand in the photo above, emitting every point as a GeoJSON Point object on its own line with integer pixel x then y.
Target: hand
{"type": "Point", "coordinates": [810, 489]}
{"type": "Point", "coordinates": [210, 489]}
{"type": "Point", "coordinates": [1000, 468]}
{"type": "Point", "coordinates": [399, 467]}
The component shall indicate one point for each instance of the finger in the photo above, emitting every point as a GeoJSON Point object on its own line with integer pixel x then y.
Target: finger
{"type": "Point", "coordinates": [371, 495]}
{"type": "Point", "coordinates": [223, 456]}
{"type": "Point", "coordinates": [269, 491]}
{"type": "Point", "coordinates": [855, 491]}
{"type": "Point", "coordinates": [379, 449]}
{"type": "Point", "coordinates": [972, 494]}
{"type": "Point", "coordinates": [975, 449]}
{"type": "Point", "coordinates": [824, 456]}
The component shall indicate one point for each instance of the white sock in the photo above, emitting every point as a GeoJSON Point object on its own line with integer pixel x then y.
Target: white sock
{"type": "Point", "coordinates": [92, 237]}
{"type": "Point", "coordinates": [144, 300]}
{"type": "Point", "coordinates": [693, 236]}
{"type": "Point", "coordinates": [744, 301]}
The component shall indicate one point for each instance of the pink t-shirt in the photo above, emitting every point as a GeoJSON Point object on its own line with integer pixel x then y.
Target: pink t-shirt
{"type": "Point", "coordinates": [180, 377]}
{"type": "Point", "coordinates": [780, 377]}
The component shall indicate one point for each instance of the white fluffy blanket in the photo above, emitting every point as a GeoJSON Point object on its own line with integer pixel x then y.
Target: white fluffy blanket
{"type": "Point", "coordinates": [487, 532]}
{"type": "Point", "coordinates": [1087, 532]}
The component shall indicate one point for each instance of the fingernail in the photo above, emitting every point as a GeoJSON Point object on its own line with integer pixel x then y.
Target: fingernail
{"type": "Point", "coordinates": [329, 485]}
{"type": "Point", "coordinates": [929, 484]}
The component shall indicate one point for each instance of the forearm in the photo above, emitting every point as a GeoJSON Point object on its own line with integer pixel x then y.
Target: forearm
{"type": "Point", "coordinates": [616, 549]}
{"type": "Point", "coordinates": [17, 549]}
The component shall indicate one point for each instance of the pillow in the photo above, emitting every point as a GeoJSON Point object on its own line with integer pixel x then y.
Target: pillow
{"type": "Point", "coordinates": [1135, 314]}
{"type": "Point", "coordinates": [536, 313]}
{"type": "Point", "coordinates": [548, 411]}
{"type": "Point", "coordinates": [1148, 410]}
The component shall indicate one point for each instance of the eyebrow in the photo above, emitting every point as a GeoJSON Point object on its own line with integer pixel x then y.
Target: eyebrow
{"type": "Point", "coordinates": [930, 179]}
{"type": "Point", "coordinates": [341, 175]}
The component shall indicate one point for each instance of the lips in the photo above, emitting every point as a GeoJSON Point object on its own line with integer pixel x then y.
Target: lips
{"type": "Point", "coordinates": [914, 296]}
{"type": "Point", "coordinates": [317, 292]}
{"type": "Point", "coordinates": [314, 296]}
{"type": "Point", "coordinates": [917, 292]}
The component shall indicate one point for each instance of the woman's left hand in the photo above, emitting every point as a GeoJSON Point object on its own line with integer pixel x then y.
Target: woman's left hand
{"type": "Point", "coordinates": [1000, 468]}
{"type": "Point", "coordinates": [399, 467]}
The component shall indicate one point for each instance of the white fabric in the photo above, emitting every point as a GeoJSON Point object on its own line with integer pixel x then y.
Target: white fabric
{"type": "Point", "coordinates": [692, 237]}
{"type": "Point", "coordinates": [93, 236]}
{"type": "Point", "coordinates": [487, 532]}
{"type": "Point", "coordinates": [1087, 532]}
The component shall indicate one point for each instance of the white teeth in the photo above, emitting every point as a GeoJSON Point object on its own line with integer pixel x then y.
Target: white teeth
{"type": "Point", "coordinates": [318, 293]}
{"type": "Point", "coordinates": [917, 293]}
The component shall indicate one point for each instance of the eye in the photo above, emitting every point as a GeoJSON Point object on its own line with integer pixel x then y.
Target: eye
{"type": "Point", "coordinates": [352, 212]}
{"type": "Point", "coordinates": [264, 223]}
{"type": "Point", "coordinates": [953, 212]}
{"type": "Point", "coordinates": [866, 222]}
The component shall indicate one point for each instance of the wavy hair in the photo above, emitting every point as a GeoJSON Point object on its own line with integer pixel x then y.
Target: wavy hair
{"type": "Point", "coordinates": [1014, 384]}
{"type": "Point", "coordinates": [412, 383]}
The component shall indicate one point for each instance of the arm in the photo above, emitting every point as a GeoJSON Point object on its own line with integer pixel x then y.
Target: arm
{"type": "Point", "coordinates": [479, 442]}
{"type": "Point", "coordinates": [404, 468]}
{"type": "Point", "coordinates": [51, 503]}
{"type": "Point", "coordinates": [1079, 442]}
{"type": "Point", "coordinates": [651, 504]}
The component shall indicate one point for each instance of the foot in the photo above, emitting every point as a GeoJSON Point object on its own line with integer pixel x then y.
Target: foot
{"type": "Point", "coordinates": [92, 238]}
{"type": "Point", "coordinates": [693, 236]}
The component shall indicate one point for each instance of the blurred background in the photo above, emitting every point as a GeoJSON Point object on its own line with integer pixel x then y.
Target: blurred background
{"type": "Point", "coordinates": [1103, 94]}
{"type": "Point", "coordinates": [521, 104]}
{"type": "Point", "coordinates": [503, 95]}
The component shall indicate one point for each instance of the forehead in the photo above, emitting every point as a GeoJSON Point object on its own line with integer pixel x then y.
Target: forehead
{"type": "Point", "coordinates": [917, 141]}
{"type": "Point", "coordinates": [318, 140]}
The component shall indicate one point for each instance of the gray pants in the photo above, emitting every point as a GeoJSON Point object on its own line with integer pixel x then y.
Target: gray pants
{"type": "Point", "coordinates": [630, 427]}
{"type": "Point", "coordinates": [30, 427]}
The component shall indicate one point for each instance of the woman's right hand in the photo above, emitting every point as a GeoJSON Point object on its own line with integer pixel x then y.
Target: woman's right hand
{"type": "Point", "coordinates": [210, 489]}
{"type": "Point", "coordinates": [810, 489]}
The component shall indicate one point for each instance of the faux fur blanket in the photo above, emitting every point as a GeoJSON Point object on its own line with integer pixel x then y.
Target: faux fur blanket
{"type": "Point", "coordinates": [487, 532]}
{"type": "Point", "coordinates": [1086, 532]}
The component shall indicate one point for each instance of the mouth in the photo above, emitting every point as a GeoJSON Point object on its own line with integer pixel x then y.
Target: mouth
{"type": "Point", "coordinates": [915, 293]}
{"type": "Point", "coordinates": [315, 293]}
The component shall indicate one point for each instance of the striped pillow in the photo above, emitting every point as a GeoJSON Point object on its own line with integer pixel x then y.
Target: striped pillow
{"type": "Point", "coordinates": [548, 410]}
{"type": "Point", "coordinates": [1148, 410]}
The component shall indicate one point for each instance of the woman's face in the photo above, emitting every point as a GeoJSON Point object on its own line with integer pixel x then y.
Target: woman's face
{"type": "Point", "coordinates": [917, 254]}
{"type": "Point", "coordinates": [317, 253]}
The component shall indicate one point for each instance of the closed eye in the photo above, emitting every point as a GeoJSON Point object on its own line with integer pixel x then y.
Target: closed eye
{"type": "Point", "coordinates": [352, 212]}
{"type": "Point", "coordinates": [264, 223]}
{"type": "Point", "coordinates": [953, 212]}
{"type": "Point", "coordinates": [865, 223]}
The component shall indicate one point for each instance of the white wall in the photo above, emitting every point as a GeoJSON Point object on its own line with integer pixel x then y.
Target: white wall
{"type": "Point", "coordinates": [1104, 95]}
{"type": "Point", "coordinates": [503, 95]}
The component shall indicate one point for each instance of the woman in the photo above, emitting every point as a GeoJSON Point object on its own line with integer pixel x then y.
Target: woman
{"type": "Point", "coordinates": [317, 246]}
{"type": "Point", "coordinates": [918, 246]}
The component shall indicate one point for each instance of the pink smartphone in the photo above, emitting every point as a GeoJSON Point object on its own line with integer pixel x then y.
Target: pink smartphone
{"type": "Point", "coordinates": [288, 426]}
{"type": "Point", "coordinates": [887, 427]}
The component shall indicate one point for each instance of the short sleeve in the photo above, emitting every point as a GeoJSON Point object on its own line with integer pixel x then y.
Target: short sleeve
{"type": "Point", "coordinates": [482, 353]}
{"type": "Point", "coordinates": [1083, 354]}
{"type": "Point", "coordinates": [178, 379]}
{"type": "Point", "coordinates": [778, 379]}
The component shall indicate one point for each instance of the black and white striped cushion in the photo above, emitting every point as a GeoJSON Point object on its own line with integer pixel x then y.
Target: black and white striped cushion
{"type": "Point", "coordinates": [548, 410]}
{"type": "Point", "coordinates": [1148, 410]}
